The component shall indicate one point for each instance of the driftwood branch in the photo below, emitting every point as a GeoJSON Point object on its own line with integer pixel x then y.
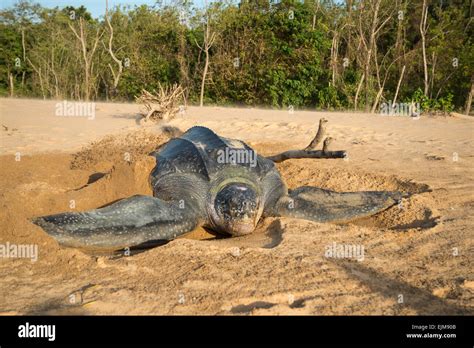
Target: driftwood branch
{"type": "Point", "coordinates": [161, 105]}
{"type": "Point", "coordinates": [309, 151]}
{"type": "Point", "coordinates": [293, 154]}
{"type": "Point", "coordinates": [319, 135]}
{"type": "Point", "coordinates": [326, 144]}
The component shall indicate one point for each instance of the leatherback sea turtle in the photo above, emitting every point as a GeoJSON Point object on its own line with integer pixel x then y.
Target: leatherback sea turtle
{"type": "Point", "coordinates": [202, 179]}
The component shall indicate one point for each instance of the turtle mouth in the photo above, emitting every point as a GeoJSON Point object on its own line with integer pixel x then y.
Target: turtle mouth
{"type": "Point", "coordinates": [240, 228]}
{"type": "Point", "coordinates": [235, 225]}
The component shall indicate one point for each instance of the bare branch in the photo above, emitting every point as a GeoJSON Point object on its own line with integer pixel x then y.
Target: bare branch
{"type": "Point", "coordinates": [398, 85]}
{"type": "Point", "coordinates": [117, 75]}
{"type": "Point", "coordinates": [309, 151]}
{"type": "Point", "coordinates": [74, 31]}
{"type": "Point", "coordinates": [296, 154]}
{"type": "Point", "coordinates": [319, 135]}
{"type": "Point", "coordinates": [161, 105]}
{"type": "Point", "coordinates": [326, 144]}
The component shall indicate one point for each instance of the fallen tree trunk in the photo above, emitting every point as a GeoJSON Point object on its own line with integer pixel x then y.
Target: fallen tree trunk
{"type": "Point", "coordinates": [306, 154]}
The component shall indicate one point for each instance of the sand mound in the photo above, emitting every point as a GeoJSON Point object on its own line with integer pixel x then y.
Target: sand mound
{"type": "Point", "coordinates": [126, 147]}
{"type": "Point", "coordinates": [415, 211]}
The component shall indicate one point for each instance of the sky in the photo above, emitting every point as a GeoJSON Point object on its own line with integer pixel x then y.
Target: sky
{"type": "Point", "coordinates": [95, 7]}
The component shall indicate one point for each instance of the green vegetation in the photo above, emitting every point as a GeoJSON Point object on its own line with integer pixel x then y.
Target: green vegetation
{"type": "Point", "coordinates": [307, 54]}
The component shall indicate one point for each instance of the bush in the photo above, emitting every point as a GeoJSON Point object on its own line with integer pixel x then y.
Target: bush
{"type": "Point", "coordinates": [444, 104]}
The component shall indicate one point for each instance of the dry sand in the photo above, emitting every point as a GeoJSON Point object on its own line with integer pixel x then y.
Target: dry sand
{"type": "Point", "coordinates": [418, 256]}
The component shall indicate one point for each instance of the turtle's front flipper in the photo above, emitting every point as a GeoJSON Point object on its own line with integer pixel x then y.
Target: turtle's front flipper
{"type": "Point", "coordinates": [126, 223]}
{"type": "Point", "coordinates": [311, 203]}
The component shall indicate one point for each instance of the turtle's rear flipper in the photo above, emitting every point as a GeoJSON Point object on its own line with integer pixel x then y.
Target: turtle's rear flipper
{"type": "Point", "coordinates": [311, 203]}
{"type": "Point", "coordinates": [126, 223]}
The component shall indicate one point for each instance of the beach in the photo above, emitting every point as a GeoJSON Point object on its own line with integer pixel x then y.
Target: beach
{"type": "Point", "coordinates": [415, 258]}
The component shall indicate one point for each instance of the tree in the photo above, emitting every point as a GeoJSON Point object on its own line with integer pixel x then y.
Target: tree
{"type": "Point", "coordinates": [88, 50]}
{"type": "Point", "coordinates": [116, 74]}
{"type": "Point", "coordinates": [208, 40]}
{"type": "Point", "coordinates": [423, 31]}
{"type": "Point", "coordinates": [312, 53]}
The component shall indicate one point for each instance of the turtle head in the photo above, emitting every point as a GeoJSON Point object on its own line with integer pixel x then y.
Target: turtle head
{"type": "Point", "coordinates": [236, 209]}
